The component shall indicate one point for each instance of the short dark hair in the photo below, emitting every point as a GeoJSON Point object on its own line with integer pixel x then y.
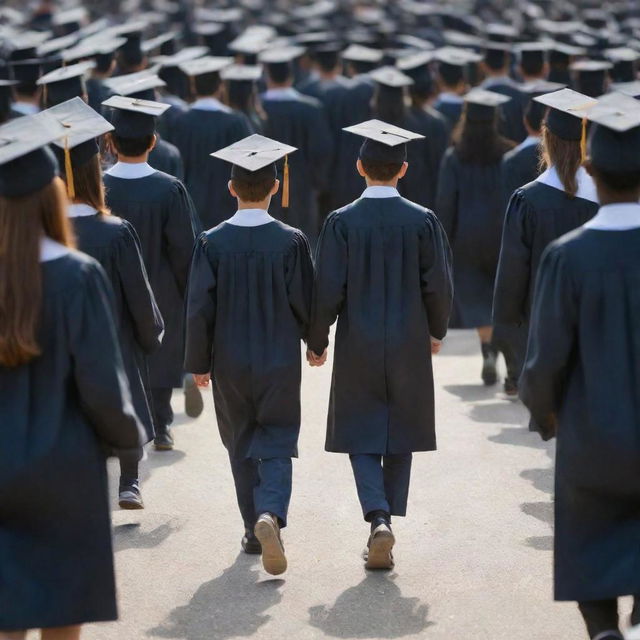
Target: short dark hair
{"type": "Point", "coordinates": [206, 84]}
{"type": "Point", "coordinates": [532, 66]}
{"type": "Point", "coordinates": [381, 171]}
{"type": "Point", "coordinates": [26, 89]}
{"type": "Point", "coordinates": [618, 182]}
{"type": "Point", "coordinates": [280, 72]}
{"type": "Point", "coordinates": [451, 74]}
{"type": "Point", "coordinates": [253, 186]}
{"type": "Point", "coordinates": [131, 147]}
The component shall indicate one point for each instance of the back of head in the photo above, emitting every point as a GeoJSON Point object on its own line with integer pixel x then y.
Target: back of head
{"type": "Point", "coordinates": [389, 104]}
{"type": "Point", "coordinates": [477, 140]}
{"type": "Point", "coordinates": [380, 161]}
{"type": "Point", "coordinates": [253, 186]}
{"type": "Point", "coordinates": [564, 155]}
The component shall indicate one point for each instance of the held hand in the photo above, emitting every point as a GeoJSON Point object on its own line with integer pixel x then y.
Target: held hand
{"type": "Point", "coordinates": [315, 360]}
{"type": "Point", "coordinates": [202, 380]}
{"type": "Point", "coordinates": [436, 345]}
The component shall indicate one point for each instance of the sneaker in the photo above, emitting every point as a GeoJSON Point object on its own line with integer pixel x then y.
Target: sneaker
{"type": "Point", "coordinates": [267, 531]}
{"type": "Point", "coordinates": [489, 365]}
{"type": "Point", "coordinates": [163, 441]}
{"type": "Point", "coordinates": [129, 497]}
{"type": "Point", "coordinates": [380, 545]}
{"type": "Point", "coordinates": [250, 544]}
{"type": "Point", "coordinates": [193, 402]}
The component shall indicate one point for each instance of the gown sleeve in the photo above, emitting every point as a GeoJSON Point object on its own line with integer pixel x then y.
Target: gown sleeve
{"type": "Point", "coordinates": [436, 277]}
{"type": "Point", "coordinates": [514, 267]}
{"type": "Point", "coordinates": [141, 303]}
{"type": "Point", "coordinates": [300, 282]}
{"type": "Point", "coordinates": [200, 311]}
{"type": "Point", "coordinates": [447, 197]}
{"type": "Point", "coordinates": [330, 282]}
{"type": "Point", "coordinates": [179, 234]}
{"type": "Point", "coordinates": [98, 370]}
{"type": "Point", "coordinates": [321, 149]}
{"type": "Point", "coordinates": [552, 340]}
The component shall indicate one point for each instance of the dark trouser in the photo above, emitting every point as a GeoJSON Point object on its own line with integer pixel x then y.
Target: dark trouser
{"type": "Point", "coordinates": [262, 486]}
{"type": "Point", "coordinates": [161, 408]}
{"type": "Point", "coordinates": [512, 342]}
{"type": "Point", "coordinates": [382, 482]}
{"type": "Point", "coordinates": [129, 466]}
{"type": "Point", "coordinates": [600, 616]}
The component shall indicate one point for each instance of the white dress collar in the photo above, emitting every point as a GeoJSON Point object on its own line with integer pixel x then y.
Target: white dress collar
{"type": "Point", "coordinates": [450, 98]}
{"type": "Point", "coordinates": [586, 186]}
{"type": "Point", "coordinates": [25, 108]}
{"type": "Point", "coordinates": [250, 218]}
{"type": "Point", "coordinates": [496, 81]}
{"type": "Point", "coordinates": [380, 192]}
{"type": "Point", "coordinates": [80, 210]}
{"type": "Point", "coordinates": [131, 171]}
{"type": "Point", "coordinates": [288, 93]}
{"type": "Point", "coordinates": [529, 141]}
{"type": "Point", "coordinates": [210, 104]}
{"type": "Point", "coordinates": [616, 217]}
{"type": "Point", "coordinates": [52, 250]}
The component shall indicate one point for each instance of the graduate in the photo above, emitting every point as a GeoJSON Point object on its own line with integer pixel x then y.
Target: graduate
{"type": "Point", "coordinates": [208, 124]}
{"type": "Point", "coordinates": [65, 83]}
{"type": "Point", "coordinates": [160, 210]}
{"type": "Point", "coordinates": [248, 308]}
{"type": "Point", "coordinates": [384, 272]}
{"type": "Point", "coordinates": [64, 399]}
{"type": "Point", "coordinates": [299, 121]}
{"type": "Point", "coordinates": [580, 380]}
{"type": "Point", "coordinates": [561, 199]}
{"type": "Point", "coordinates": [469, 205]}
{"type": "Point", "coordinates": [114, 243]}
{"type": "Point", "coordinates": [241, 89]}
{"type": "Point", "coordinates": [27, 92]}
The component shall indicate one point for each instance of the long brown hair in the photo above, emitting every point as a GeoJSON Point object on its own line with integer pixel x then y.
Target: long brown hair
{"type": "Point", "coordinates": [23, 222]}
{"type": "Point", "coordinates": [565, 156]}
{"type": "Point", "coordinates": [479, 142]}
{"type": "Point", "coordinates": [88, 185]}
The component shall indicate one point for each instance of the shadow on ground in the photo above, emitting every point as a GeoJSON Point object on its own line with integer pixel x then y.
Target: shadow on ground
{"type": "Point", "coordinates": [229, 606]}
{"type": "Point", "coordinates": [375, 608]}
{"type": "Point", "coordinates": [146, 533]}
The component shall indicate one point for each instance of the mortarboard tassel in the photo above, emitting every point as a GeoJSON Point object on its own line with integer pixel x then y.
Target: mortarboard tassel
{"type": "Point", "coordinates": [68, 169]}
{"type": "Point", "coordinates": [285, 183]}
{"type": "Point", "coordinates": [583, 140]}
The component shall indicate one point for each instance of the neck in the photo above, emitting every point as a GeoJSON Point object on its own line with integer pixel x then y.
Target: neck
{"type": "Point", "coordinates": [497, 73]}
{"type": "Point", "coordinates": [134, 160]}
{"type": "Point", "coordinates": [526, 79]}
{"type": "Point", "coordinates": [328, 75]}
{"type": "Point", "coordinates": [263, 204]}
{"type": "Point", "coordinates": [457, 90]}
{"type": "Point", "coordinates": [374, 183]}
{"type": "Point", "coordinates": [626, 198]}
{"type": "Point", "coordinates": [21, 97]}
{"type": "Point", "coordinates": [212, 96]}
{"type": "Point", "coordinates": [279, 85]}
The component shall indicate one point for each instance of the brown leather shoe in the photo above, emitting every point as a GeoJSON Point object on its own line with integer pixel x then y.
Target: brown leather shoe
{"type": "Point", "coordinates": [379, 555]}
{"type": "Point", "coordinates": [267, 531]}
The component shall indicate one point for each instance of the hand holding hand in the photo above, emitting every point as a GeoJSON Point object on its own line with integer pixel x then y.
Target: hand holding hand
{"type": "Point", "coordinates": [316, 360]}
{"type": "Point", "coordinates": [202, 380]}
{"type": "Point", "coordinates": [436, 345]}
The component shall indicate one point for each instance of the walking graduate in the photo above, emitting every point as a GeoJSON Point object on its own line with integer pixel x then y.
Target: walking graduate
{"type": "Point", "coordinates": [248, 308]}
{"type": "Point", "coordinates": [384, 272]}
{"type": "Point", "coordinates": [581, 382]}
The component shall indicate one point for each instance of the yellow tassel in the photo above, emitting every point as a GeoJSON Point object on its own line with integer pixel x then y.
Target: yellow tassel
{"type": "Point", "coordinates": [68, 169]}
{"type": "Point", "coordinates": [285, 183]}
{"type": "Point", "coordinates": [583, 140]}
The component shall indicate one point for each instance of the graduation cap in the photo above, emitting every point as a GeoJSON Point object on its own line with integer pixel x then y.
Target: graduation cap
{"type": "Point", "coordinates": [415, 62]}
{"type": "Point", "coordinates": [6, 96]}
{"type": "Point", "coordinates": [26, 71]}
{"type": "Point", "coordinates": [391, 78]}
{"type": "Point", "coordinates": [534, 111]}
{"type": "Point", "coordinates": [281, 55]}
{"type": "Point", "coordinates": [25, 46]}
{"type": "Point", "coordinates": [362, 55]}
{"type": "Point", "coordinates": [139, 84]}
{"type": "Point", "coordinates": [82, 125]}
{"type": "Point", "coordinates": [241, 73]}
{"type": "Point", "coordinates": [131, 51]}
{"type": "Point", "coordinates": [482, 104]}
{"type": "Point", "coordinates": [625, 62]}
{"type": "Point", "coordinates": [202, 66]}
{"type": "Point", "coordinates": [57, 44]}
{"type": "Point", "coordinates": [496, 54]}
{"type": "Point", "coordinates": [70, 20]}
{"type": "Point", "coordinates": [532, 54]}
{"type": "Point", "coordinates": [176, 59]}
{"type": "Point", "coordinates": [591, 76]}
{"type": "Point", "coordinates": [615, 139]}
{"type": "Point", "coordinates": [501, 32]}
{"type": "Point", "coordinates": [384, 142]}
{"type": "Point", "coordinates": [26, 163]}
{"type": "Point", "coordinates": [65, 83]}
{"type": "Point", "coordinates": [133, 117]}
{"type": "Point", "coordinates": [254, 154]}
{"type": "Point", "coordinates": [627, 88]}
{"type": "Point", "coordinates": [158, 42]}
{"type": "Point", "coordinates": [461, 39]}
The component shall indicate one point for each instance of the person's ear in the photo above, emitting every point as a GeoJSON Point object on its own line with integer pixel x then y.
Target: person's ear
{"type": "Point", "coordinates": [360, 168]}
{"type": "Point", "coordinates": [403, 170]}
{"type": "Point", "coordinates": [154, 142]}
{"type": "Point", "coordinates": [232, 191]}
{"type": "Point", "coordinates": [275, 188]}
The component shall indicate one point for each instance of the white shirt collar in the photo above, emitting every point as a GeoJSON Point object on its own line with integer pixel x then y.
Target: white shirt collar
{"type": "Point", "coordinates": [52, 250]}
{"type": "Point", "coordinates": [586, 186]}
{"type": "Point", "coordinates": [616, 217]}
{"type": "Point", "coordinates": [380, 192]}
{"type": "Point", "coordinates": [496, 81]}
{"type": "Point", "coordinates": [210, 104]}
{"type": "Point", "coordinates": [250, 218]}
{"type": "Point", "coordinates": [131, 171]}
{"type": "Point", "coordinates": [25, 108]}
{"type": "Point", "coordinates": [451, 98]}
{"type": "Point", "coordinates": [80, 210]}
{"type": "Point", "coordinates": [288, 93]}
{"type": "Point", "coordinates": [528, 142]}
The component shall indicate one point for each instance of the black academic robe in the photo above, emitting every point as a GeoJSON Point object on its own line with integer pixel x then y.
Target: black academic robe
{"type": "Point", "coordinates": [582, 367]}
{"type": "Point", "coordinates": [114, 244]}
{"type": "Point", "coordinates": [58, 413]}
{"type": "Point", "coordinates": [512, 120]}
{"type": "Point", "coordinates": [166, 157]}
{"type": "Point", "coordinates": [383, 270]}
{"type": "Point", "coordinates": [300, 121]}
{"type": "Point", "coordinates": [469, 205]}
{"type": "Point", "coordinates": [165, 124]}
{"type": "Point", "coordinates": [97, 93]}
{"type": "Point", "coordinates": [247, 310]}
{"type": "Point", "coordinates": [160, 210]}
{"type": "Point", "coordinates": [420, 183]}
{"type": "Point", "coordinates": [197, 134]}
{"type": "Point", "coordinates": [520, 166]}
{"type": "Point", "coordinates": [452, 111]}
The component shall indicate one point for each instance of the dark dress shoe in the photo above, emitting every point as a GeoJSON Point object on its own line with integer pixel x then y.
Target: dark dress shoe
{"type": "Point", "coordinates": [511, 387]}
{"type": "Point", "coordinates": [129, 497]}
{"type": "Point", "coordinates": [193, 402]}
{"type": "Point", "coordinates": [163, 441]}
{"type": "Point", "coordinates": [250, 544]}
{"type": "Point", "coordinates": [489, 364]}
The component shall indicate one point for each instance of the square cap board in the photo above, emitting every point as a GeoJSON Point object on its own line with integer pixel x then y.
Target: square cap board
{"type": "Point", "coordinates": [254, 153]}
{"type": "Point", "coordinates": [380, 131]}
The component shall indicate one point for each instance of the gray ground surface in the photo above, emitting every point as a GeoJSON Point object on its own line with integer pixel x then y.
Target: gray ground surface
{"type": "Point", "coordinates": [473, 558]}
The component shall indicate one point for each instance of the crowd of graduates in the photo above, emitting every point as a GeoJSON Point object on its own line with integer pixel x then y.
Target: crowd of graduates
{"type": "Point", "coordinates": [188, 193]}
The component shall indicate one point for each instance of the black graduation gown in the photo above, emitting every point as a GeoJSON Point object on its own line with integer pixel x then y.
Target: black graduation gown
{"type": "Point", "coordinates": [197, 134]}
{"type": "Point", "coordinates": [301, 122]}
{"type": "Point", "coordinates": [166, 157]}
{"type": "Point", "coordinates": [97, 93]}
{"type": "Point", "coordinates": [114, 244]}
{"type": "Point", "coordinates": [166, 121]}
{"type": "Point", "coordinates": [383, 270]}
{"type": "Point", "coordinates": [519, 167]}
{"type": "Point", "coordinates": [160, 210]}
{"type": "Point", "coordinates": [248, 308]}
{"type": "Point", "coordinates": [512, 121]}
{"type": "Point", "coordinates": [420, 183]}
{"type": "Point", "coordinates": [582, 366]}
{"type": "Point", "coordinates": [58, 411]}
{"type": "Point", "coordinates": [452, 111]}
{"type": "Point", "coordinates": [469, 205]}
